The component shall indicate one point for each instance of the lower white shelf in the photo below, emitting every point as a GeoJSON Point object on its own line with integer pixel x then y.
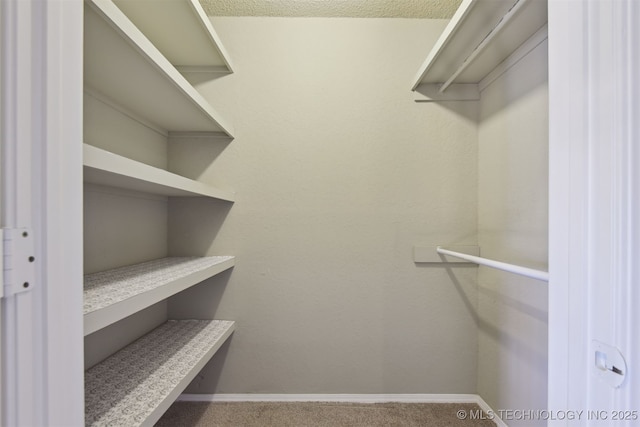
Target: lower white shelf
{"type": "Point", "coordinates": [106, 168]}
{"type": "Point", "coordinates": [136, 385]}
{"type": "Point", "coordinates": [114, 294]}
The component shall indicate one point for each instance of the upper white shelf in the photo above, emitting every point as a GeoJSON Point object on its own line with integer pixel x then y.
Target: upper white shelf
{"type": "Point", "coordinates": [136, 385]}
{"type": "Point", "coordinates": [181, 30]}
{"type": "Point", "coordinates": [481, 35]}
{"type": "Point", "coordinates": [122, 65]}
{"type": "Point", "coordinates": [114, 294]}
{"type": "Point", "coordinates": [106, 168]}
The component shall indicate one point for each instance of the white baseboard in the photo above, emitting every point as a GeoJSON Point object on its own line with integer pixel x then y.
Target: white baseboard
{"type": "Point", "coordinates": [347, 398]}
{"type": "Point", "coordinates": [355, 398]}
{"type": "Point", "coordinates": [486, 408]}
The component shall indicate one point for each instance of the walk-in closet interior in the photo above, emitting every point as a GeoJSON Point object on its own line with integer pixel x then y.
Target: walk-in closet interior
{"type": "Point", "coordinates": [264, 196]}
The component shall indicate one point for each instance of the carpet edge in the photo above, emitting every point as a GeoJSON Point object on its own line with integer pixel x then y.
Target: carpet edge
{"type": "Point", "coordinates": [346, 398]}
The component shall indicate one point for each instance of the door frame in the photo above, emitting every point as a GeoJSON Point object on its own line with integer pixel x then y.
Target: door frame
{"type": "Point", "coordinates": [594, 203]}
{"type": "Point", "coordinates": [41, 141]}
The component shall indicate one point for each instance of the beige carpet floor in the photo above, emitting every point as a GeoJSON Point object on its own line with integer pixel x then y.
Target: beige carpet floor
{"type": "Point", "coordinates": [323, 414]}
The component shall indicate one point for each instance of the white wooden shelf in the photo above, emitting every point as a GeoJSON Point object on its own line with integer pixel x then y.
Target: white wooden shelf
{"type": "Point", "coordinates": [136, 385]}
{"type": "Point", "coordinates": [134, 53]}
{"type": "Point", "coordinates": [181, 30]}
{"type": "Point", "coordinates": [106, 168]}
{"type": "Point", "coordinates": [481, 35]}
{"type": "Point", "coordinates": [122, 66]}
{"type": "Point", "coordinates": [114, 294]}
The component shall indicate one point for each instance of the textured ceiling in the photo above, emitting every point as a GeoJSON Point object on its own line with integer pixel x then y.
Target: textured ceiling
{"type": "Point", "coordinates": [435, 9]}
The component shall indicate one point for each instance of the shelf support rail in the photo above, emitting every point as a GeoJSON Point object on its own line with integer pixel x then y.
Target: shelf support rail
{"type": "Point", "coordinates": [484, 43]}
{"type": "Point", "coordinates": [511, 268]}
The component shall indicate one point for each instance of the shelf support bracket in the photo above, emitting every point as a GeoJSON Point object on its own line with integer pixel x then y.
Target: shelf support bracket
{"type": "Point", "coordinates": [18, 261]}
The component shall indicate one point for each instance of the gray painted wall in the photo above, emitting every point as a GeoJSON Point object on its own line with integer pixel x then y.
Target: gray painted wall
{"type": "Point", "coordinates": [513, 227]}
{"type": "Point", "coordinates": [338, 174]}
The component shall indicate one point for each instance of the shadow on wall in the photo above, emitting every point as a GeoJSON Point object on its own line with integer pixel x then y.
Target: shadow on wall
{"type": "Point", "coordinates": [471, 306]}
{"type": "Point", "coordinates": [469, 302]}
{"type": "Point", "coordinates": [528, 75]}
{"type": "Point", "coordinates": [200, 301]}
{"type": "Point", "coordinates": [210, 374]}
{"type": "Point", "coordinates": [192, 156]}
{"type": "Point", "coordinates": [512, 307]}
{"type": "Point", "coordinates": [520, 306]}
{"type": "Point", "coordinates": [517, 343]}
{"type": "Point", "coordinates": [196, 78]}
{"type": "Point", "coordinates": [194, 223]}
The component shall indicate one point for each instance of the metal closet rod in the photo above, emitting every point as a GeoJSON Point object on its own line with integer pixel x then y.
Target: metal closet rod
{"type": "Point", "coordinates": [523, 271]}
{"type": "Point", "coordinates": [484, 43]}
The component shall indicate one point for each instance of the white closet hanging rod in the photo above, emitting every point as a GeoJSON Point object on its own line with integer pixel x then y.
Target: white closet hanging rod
{"type": "Point", "coordinates": [523, 271]}
{"type": "Point", "coordinates": [484, 43]}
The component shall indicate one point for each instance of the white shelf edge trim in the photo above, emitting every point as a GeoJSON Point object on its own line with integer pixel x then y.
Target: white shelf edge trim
{"type": "Point", "coordinates": [494, 29]}
{"type": "Point", "coordinates": [179, 136]}
{"type": "Point", "coordinates": [136, 385]}
{"type": "Point", "coordinates": [518, 5]}
{"type": "Point", "coordinates": [531, 43]}
{"type": "Point", "coordinates": [511, 268]}
{"type": "Point", "coordinates": [118, 20]}
{"type": "Point", "coordinates": [106, 168]}
{"type": "Point", "coordinates": [180, 29]}
{"type": "Point", "coordinates": [100, 97]}
{"type": "Point", "coordinates": [463, 10]}
{"type": "Point", "coordinates": [430, 92]}
{"type": "Point", "coordinates": [211, 32]}
{"type": "Point", "coordinates": [206, 69]}
{"type": "Point", "coordinates": [114, 294]}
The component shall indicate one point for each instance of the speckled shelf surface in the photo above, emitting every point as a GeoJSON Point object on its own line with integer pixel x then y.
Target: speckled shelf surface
{"type": "Point", "coordinates": [138, 383]}
{"type": "Point", "coordinates": [112, 286]}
